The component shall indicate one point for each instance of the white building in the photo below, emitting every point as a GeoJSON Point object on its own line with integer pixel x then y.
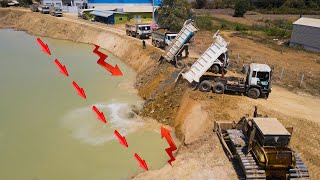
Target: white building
{"type": "Point", "coordinates": [52, 2]}
{"type": "Point", "coordinates": [306, 33]}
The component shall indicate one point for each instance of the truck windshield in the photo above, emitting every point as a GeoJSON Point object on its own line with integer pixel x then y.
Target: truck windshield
{"type": "Point", "coordinates": [145, 28]}
{"type": "Point", "coordinates": [263, 76]}
{"type": "Point", "coordinates": [45, 7]}
{"type": "Point", "coordinates": [172, 37]}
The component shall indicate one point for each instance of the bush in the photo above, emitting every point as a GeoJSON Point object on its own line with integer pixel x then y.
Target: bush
{"type": "Point", "coordinates": [277, 32]}
{"type": "Point", "coordinates": [25, 3]}
{"type": "Point", "coordinates": [240, 27]}
{"type": "Point", "coordinates": [3, 3]}
{"type": "Point", "coordinates": [241, 8]}
{"type": "Point", "coordinates": [173, 13]}
{"type": "Point", "coordinates": [87, 16]}
{"type": "Point", "coordinates": [201, 3]}
{"type": "Point", "coordinates": [204, 22]}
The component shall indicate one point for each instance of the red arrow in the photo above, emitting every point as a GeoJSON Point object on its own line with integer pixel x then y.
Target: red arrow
{"type": "Point", "coordinates": [80, 90]}
{"type": "Point", "coordinates": [122, 139]}
{"type": "Point", "coordinates": [166, 133]}
{"type": "Point", "coordinates": [99, 114]}
{"type": "Point", "coordinates": [142, 163]}
{"type": "Point", "coordinates": [62, 68]}
{"type": "Point", "coordinates": [44, 47]}
{"type": "Point", "coordinates": [115, 71]}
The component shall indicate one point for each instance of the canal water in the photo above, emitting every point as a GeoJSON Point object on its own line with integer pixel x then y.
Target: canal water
{"type": "Point", "coordinates": [48, 132]}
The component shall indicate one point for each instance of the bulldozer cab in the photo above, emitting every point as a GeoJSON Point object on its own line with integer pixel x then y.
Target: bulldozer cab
{"type": "Point", "coordinates": [270, 132]}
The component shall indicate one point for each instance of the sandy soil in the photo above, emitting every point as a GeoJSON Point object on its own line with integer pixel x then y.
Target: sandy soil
{"type": "Point", "coordinates": [192, 113]}
{"type": "Point", "coordinates": [293, 62]}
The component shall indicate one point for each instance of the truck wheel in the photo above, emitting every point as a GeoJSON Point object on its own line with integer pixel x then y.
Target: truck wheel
{"type": "Point", "coordinates": [253, 93]}
{"type": "Point", "coordinates": [127, 33]}
{"type": "Point", "coordinates": [214, 69]}
{"type": "Point", "coordinates": [205, 86]}
{"type": "Point", "coordinates": [218, 88]}
{"type": "Point", "coordinates": [194, 85]}
{"type": "Point", "coordinates": [180, 65]}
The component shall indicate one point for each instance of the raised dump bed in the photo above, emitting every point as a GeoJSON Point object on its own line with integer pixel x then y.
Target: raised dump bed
{"type": "Point", "coordinates": [180, 41]}
{"type": "Point", "coordinates": [209, 59]}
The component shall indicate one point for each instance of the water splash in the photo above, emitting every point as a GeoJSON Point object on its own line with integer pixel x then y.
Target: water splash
{"type": "Point", "coordinates": [84, 126]}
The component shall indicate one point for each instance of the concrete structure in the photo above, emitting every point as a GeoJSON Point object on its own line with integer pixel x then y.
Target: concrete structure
{"type": "Point", "coordinates": [110, 17]}
{"type": "Point", "coordinates": [118, 16]}
{"type": "Point", "coordinates": [52, 2]}
{"type": "Point", "coordinates": [306, 33]}
{"type": "Point", "coordinates": [138, 10]}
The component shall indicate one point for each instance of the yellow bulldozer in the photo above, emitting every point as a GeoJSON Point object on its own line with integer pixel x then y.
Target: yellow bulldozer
{"type": "Point", "coordinates": [261, 146]}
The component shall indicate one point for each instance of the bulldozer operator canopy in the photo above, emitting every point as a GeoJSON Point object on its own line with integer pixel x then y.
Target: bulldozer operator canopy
{"type": "Point", "coordinates": [270, 127]}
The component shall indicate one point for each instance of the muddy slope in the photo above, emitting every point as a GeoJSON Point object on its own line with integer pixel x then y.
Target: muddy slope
{"type": "Point", "coordinates": [192, 113]}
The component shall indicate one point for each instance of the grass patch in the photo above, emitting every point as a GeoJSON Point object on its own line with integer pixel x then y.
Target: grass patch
{"type": "Point", "coordinates": [275, 28]}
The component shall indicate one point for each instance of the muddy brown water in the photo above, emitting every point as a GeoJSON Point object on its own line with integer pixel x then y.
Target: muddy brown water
{"type": "Point", "coordinates": [48, 132]}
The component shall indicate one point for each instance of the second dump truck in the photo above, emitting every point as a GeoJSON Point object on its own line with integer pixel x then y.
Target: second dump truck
{"type": "Point", "coordinates": [256, 83]}
{"type": "Point", "coordinates": [180, 43]}
{"type": "Point", "coordinates": [138, 30]}
{"type": "Point", "coordinates": [162, 38]}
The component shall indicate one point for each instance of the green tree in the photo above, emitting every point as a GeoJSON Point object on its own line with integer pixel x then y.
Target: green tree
{"type": "Point", "coordinates": [201, 3]}
{"type": "Point", "coordinates": [173, 13]}
{"type": "Point", "coordinates": [25, 3]}
{"type": "Point", "coordinates": [241, 7]}
{"type": "Point", "coordinates": [299, 4]}
{"type": "Point", "coordinates": [3, 3]}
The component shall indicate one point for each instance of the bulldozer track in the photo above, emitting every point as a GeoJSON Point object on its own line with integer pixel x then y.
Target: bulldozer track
{"type": "Point", "coordinates": [300, 171]}
{"type": "Point", "coordinates": [248, 164]}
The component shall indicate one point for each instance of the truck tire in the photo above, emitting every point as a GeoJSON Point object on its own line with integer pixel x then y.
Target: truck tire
{"type": "Point", "coordinates": [194, 86]}
{"type": "Point", "coordinates": [180, 65]}
{"type": "Point", "coordinates": [205, 86]}
{"type": "Point", "coordinates": [218, 88]}
{"type": "Point", "coordinates": [253, 93]}
{"type": "Point", "coordinates": [214, 69]}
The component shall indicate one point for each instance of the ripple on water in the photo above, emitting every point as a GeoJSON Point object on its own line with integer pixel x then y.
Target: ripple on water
{"type": "Point", "coordinates": [84, 126]}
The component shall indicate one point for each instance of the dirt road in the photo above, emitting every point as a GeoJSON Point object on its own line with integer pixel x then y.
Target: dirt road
{"type": "Point", "coordinates": [291, 104]}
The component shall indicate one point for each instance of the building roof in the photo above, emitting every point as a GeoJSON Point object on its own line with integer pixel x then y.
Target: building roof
{"type": "Point", "coordinates": [105, 13]}
{"type": "Point", "coordinates": [126, 8]}
{"type": "Point", "coordinates": [270, 126]}
{"type": "Point", "coordinates": [260, 67]}
{"type": "Point", "coordinates": [312, 22]}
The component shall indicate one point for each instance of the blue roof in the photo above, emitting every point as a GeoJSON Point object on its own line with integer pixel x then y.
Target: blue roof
{"type": "Point", "coordinates": [105, 13]}
{"type": "Point", "coordinates": [156, 2]}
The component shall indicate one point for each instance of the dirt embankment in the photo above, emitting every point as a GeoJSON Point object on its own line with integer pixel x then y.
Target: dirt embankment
{"type": "Point", "coordinates": [191, 113]}
{"type": "Point", "coordinates": [127, 49]}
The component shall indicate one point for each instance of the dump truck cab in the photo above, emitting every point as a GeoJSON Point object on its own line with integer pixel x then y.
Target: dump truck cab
{"type": "Point", "coordinates": [258, 80]}
{"type": "Point", "coordinates": [144, 30]}
{"type": "Point", "coordinates": [169, 38]}
{"type": "Point", "coordinates": [162, 37]}
{"type": "Point", "coordinates": [269, 143]}
{"type": "Point", "coordinates": [56, 11]}
{"type": "Point", "coordinates": [138, 30]}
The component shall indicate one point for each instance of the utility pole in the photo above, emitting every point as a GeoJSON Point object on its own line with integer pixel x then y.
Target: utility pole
{"type": "Point", "coordinates": [153, 21]}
